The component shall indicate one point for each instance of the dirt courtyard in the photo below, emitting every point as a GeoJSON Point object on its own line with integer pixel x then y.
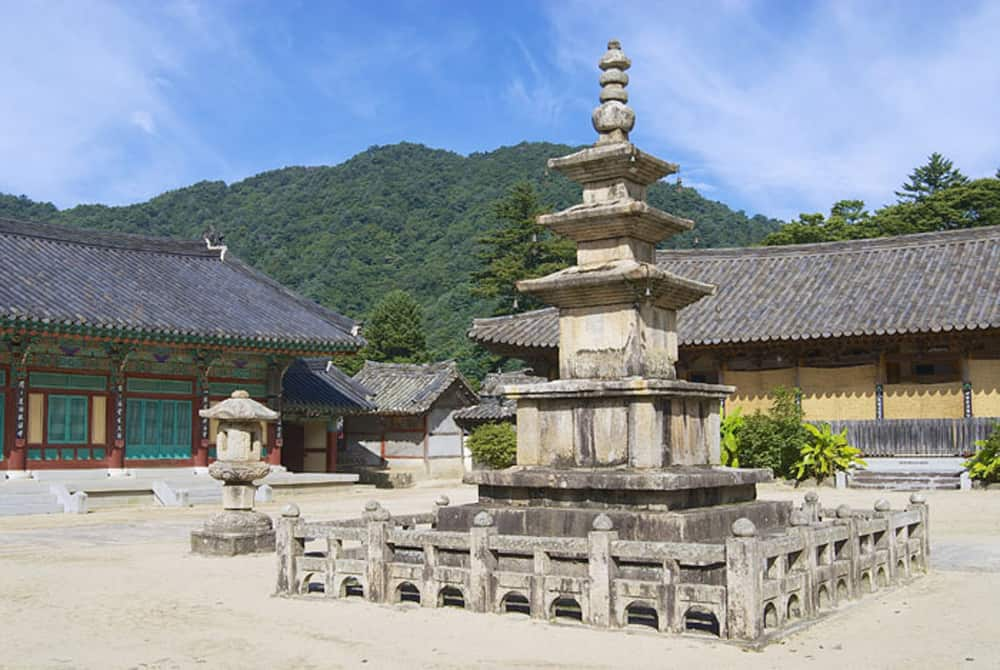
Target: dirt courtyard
{"type": "Point", "coordinates": [118, 589]}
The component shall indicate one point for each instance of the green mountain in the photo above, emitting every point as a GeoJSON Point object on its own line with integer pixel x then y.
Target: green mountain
{"type": "Point", "coordinates": [400, 216]}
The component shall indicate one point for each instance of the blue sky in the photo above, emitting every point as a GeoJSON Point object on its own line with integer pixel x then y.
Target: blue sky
{"type": "Point", "coordinates": [777, 107]}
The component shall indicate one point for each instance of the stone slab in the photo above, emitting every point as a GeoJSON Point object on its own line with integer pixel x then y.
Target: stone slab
{"type": "Point", "coordinates": [696, 525]}
{"type": "Point", "coordinates": [597, 388]}
{"type": "Point", "coordinates": [674, 478]}
{"type": "Point", "coordinates": [208, 543]}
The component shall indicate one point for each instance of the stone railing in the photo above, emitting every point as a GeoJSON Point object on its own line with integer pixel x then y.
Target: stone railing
{"type": "Point", "coordinates": [829, 557]}
{"type": "Point", "coordinates": [748, 587]}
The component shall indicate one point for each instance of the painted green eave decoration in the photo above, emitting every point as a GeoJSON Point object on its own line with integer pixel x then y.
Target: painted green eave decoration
{"type": "Point", "coordinates": [19, 324]}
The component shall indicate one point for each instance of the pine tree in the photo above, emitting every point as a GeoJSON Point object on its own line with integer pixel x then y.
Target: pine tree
{"type": "Point", "coordinates": [937, 174]}
{"type": "Point", "coordinates": [395, 330]}
{"type": "Point", "coordinates": [518, 249]}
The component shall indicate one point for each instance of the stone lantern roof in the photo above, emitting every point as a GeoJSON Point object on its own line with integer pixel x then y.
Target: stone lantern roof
{"type": "Point", "coordinates": [239, 407]}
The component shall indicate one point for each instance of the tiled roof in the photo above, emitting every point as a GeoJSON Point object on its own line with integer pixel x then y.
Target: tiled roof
{"type": "Point", "coordinates": [403, 388]}
{"type": "Point", "coordinates": [61, 278]}
{"type": "Point", "coordinates": [929, 282]}
{"type": "Point", "coordinates": [488, 410]}
{"type": "Point", "coordinates": [315, 386]}
{"type": "Point", "coordinates": [492, 405]}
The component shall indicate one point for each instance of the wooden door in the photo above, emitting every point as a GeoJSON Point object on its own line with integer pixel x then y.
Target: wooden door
{"type": "Point", "coordinates": [293, 446]}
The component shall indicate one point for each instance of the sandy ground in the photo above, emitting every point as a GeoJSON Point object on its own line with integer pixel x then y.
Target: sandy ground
{"type": "Point", "coordinates": [118, 589]}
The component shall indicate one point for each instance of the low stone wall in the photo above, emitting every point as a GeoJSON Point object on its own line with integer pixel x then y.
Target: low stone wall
{"type": "Point", "coordinates": [747, 587]}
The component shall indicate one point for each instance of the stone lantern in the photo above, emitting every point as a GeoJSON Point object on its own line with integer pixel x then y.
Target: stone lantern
{"type": "Point", "coordinates": [237, 529]}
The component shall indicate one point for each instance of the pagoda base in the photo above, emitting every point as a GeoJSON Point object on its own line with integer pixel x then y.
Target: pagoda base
{"type": "Point", "coordinates": [680, 503]}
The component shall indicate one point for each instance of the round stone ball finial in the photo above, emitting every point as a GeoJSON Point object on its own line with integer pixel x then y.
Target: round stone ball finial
{"type": "Point", "coordinates": [743, 527]}
{"type": "Point", "coordinates": [613, 119]}
{"type": "Point", "coordinates": [882, 505]}
{"type": "Point", "coordinates": [603, 522]}
{"type": "Point", "coordinates": [798, 518]}
{"type": "Point", "coordinates": [372, 506]}
{"type": "Point", "coordinates": [844, 512]}
{"type": "Point", "coordinates": [442, 501]}
{"type": "Point", "coordinates": [918, 498]}
{"type": "Point", "coordinates": [812, 497]}
{"type": "Point", "coordinates": [482, 520]}
{"type": "Point", "coordinates": [290, 510]}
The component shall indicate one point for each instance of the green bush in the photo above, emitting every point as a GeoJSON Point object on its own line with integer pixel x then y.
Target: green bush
{"type": "Point", "coordinates": [730, 439]}
{"type": "Point", "coordinates": [774, 438]}
{"type": "Point", "coordinates": [494, 445]}
{"type": "Point", "coordinates": [825, 453]}
{"type": "Point", "coordinates": [985, 465]}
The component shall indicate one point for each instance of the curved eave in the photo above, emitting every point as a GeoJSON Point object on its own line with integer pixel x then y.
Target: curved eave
{"type": "Point", "coordinates": [806, 337]}
{"type": "Point", "coordinates": [151, 335]}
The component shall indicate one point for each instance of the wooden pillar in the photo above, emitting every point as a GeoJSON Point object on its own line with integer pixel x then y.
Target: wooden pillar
{"type": "Point", "coordinates": [118, 354]}
{"type": "Point", "coordinates": [331, 446]}
{"type": "Point", "coordinates": [203, 445]}
{"type": "Point", "coordinates": [275, 440]}
{"type": "Point", "coordinates": [880, 378]}
{"type": "Point", "coordinates": [17, 461]}
{"type": "Point", "coordinates": [273, 447]}
{"type": "Point", "coordinates": [966, 385]}
{"type": "Point", "coordinates": [722, 380]}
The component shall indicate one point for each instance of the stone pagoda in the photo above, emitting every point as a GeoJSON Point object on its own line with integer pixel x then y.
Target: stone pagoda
{"type": "Point", "coordinates": [617, 513]}
{"type": "Point", "coordinates": [618, 433]}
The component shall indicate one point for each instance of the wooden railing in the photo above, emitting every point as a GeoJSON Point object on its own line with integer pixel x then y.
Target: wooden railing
{"type": "Point", "coordinates": [916, 437]}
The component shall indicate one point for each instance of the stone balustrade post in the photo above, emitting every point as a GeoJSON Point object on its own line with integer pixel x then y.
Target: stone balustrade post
{"type": "Point", "coordinates": [482, 563]}
{"type": "Point", "coordinates": [799, 521]}
{"type": "Point", "coordinates": [431, 586]}
{"type": "Point", "coordinates": [288, 549]}
{"type": "Point", "coordinates": [334, 550]}
{"type": "Point", "coordinates": [378, 522]}
{"type": "Point", "coordinates": [852, 548]}
{"type": "Point", "coordinates": [918, 501]}
{"type": "Point", "coordinates": [811, 507]}
{"type": "Point", "coordinates": [538, 593]}
{"type": "Point", "coordinates": [601, 569]}
{"type": "Point", "coordinates": [440, 502]}
{"type": "Point", "coordinates": [884, 511]}
{"type": "Point", "coordinates": [744, 583]}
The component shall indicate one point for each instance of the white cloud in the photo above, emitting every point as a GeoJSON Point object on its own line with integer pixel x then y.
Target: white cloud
{"type": "Point", "coordinates": [79, 80]}
{"type": "Point", "coordinates": [144, 120]}
{"type": "Point", "coordinates": [792, 113]}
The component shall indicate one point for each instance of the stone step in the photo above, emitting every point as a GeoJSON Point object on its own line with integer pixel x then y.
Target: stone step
{"type": "Point", "coordinates": [37, 503]}
{"type": "Point", "coordinates": [905, 481]}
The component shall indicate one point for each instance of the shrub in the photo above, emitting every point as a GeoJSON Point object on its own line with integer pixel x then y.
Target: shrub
{"type": "Point", "coordinates": [730, 441]}
{"type": "Point", "coordinates": [494, 445]}
{"type": "Point", "coordinates": [773, 439]}
{"type": "Point", "coordinates": [985, 465]}
{"type": "Point", "coordinates": [825, 452]}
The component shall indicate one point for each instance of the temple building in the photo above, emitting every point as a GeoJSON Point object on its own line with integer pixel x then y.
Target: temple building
{"type": "Point", "coordinates": [113, 342]}
{"type": "Point", "coordinates": [899, 328]}
{"type": "Point", "coordinates": [412, 426]}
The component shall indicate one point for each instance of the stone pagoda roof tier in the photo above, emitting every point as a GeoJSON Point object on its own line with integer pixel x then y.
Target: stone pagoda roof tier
{"type": "Point", "coordinates": [615, 282]}
{"type": "Point", "coordinates": [608, 162]}
{"type": "Point", "coordinates": [621, 218]}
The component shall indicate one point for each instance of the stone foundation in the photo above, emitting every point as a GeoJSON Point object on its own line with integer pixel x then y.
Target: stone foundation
{"type": "Point", "coordinates": [210, 543]}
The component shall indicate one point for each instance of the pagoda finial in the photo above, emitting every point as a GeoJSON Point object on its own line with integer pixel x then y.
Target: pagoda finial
{"type": "Point", "coordinates": [613, 119]}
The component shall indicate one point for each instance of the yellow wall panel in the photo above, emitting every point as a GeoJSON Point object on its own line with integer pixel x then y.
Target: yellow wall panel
{"type": "Point", "coordinates": [753, 388]}
{"type": "Point", "coordinates": [985, 377]}
{"type": "Point", "coordinates": [838, 393]}
{"type": "Point", "coordinates": [98, 419]}
{"type": "Point", "coordinates": [36, 417]}
{"type": "Point", "coordinates": [923, 401]}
